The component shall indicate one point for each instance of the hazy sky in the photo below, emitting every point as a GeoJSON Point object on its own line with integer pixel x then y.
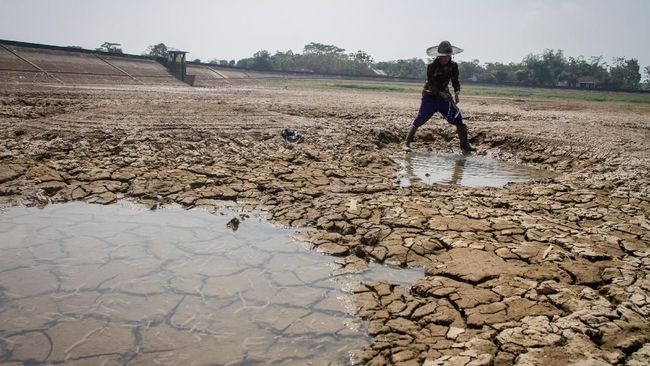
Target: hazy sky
{"type": "Point", "coordinates": [495, 31]}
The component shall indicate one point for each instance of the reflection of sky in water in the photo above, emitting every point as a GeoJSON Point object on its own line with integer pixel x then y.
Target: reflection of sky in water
{"type": "Point", "coordinates": [471, 170]}
{"type": "Point", "coordinates": [111, 283]}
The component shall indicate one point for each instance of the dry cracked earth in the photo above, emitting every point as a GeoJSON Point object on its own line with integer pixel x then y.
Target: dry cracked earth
{"type": "Point", "coordinates": [548, 272]}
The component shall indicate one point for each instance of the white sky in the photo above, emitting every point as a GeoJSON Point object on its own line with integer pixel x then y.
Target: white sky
{"type": "Point", "coordinates": [491, 31]}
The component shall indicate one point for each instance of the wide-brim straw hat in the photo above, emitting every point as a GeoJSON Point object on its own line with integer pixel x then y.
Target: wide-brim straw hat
{"type": "Point", "coordinates": [443, 49]}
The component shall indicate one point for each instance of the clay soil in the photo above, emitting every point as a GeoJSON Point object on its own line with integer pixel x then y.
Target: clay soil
{"type": "Point", "coordinates": [548, 272]}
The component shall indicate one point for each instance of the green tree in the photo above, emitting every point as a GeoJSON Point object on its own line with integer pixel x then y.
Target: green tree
{"type": "Point", "coordinates": [284, 61]}
{"type": "Point", "coordinates": [545, 69]}
{"type": "Point", "coordinates": [522, 76]}
{"type": "Point", "coordinates": [157, 50]}
{"type": "Point", "coordinates": [598, 69]}
{"type": "Point", "coordinates": [361, 57]}
{"type": "Point", "coordinates": [625, 73]}
{"type": "Point", "coordinates": [539, 72]}
{"type": "Point", "coordinates": [317, 57]}
{"type": "Point", "coordinates": [319, 48]}
{"type": "Point", "coordinates": [575, 68]}
{"type": "Point", "coordinates": [567, 76]}
{"type": "Point", "coordinates": [556, 62]}
{"type": "Point", "coordinates": [246, 63]}
{"type": "Point", "coordinates": [411, 68]}
{"type": "Point", "coordinates": [498, 72]}
{"type": "Point", "coordinates": [262, 60]}
{"type": "Point", "coordinates": [646, 71]}
{"type": "Point", "coordinates": [360, 63]}
{"type": "Point", "coordinates": [215, 61]}
{"type": "Point", "coordinates": [324, 58]}
{"type": "Point", "coordinates": [501, 76]}
{"type": "Point", "coordinates": [470, 70]}
{"type": "Point", "coordinates": [109, 47]}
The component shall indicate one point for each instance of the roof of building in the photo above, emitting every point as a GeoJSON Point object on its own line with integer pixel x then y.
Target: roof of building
{"type": "Point", "coordinates": [587, 79]}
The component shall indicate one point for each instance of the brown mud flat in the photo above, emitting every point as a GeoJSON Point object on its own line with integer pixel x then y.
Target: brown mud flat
{"type": "Point", "coordinates": [553, 271]}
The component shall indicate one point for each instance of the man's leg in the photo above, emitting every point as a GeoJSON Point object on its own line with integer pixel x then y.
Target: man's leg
{"type": "Point", "coordinates": [452, 115]}
{"type": "Point", "coordinates": [427, 109]}
{"type": "Point", "coordinates": [464, 141]}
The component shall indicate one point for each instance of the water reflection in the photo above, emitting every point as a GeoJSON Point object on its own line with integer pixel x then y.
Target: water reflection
{"type": "Point", "coordinates": [457, 173]}
{"type": "Point", "coordinates": [112, 285]}
{"type": "Point", "coordinates": [465, 170]}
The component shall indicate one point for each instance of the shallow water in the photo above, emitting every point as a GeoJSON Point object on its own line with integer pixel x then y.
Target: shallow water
{"type": "Point", "coordinates": [458, 169]}
{"type": "Point", "coordinates": [109, 284]}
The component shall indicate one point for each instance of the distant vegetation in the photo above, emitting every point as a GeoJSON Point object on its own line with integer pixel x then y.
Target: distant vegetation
{"type": "Point", "coordinates": [316, 57]}
{"type": "Point", "coordinates": [110, 47]}
{"type": "Point", "coordinates": [214, 61]}
{"type": "Point", "coordinates": [549, 69]}
{"type": "Point", "coordinates": [552, 68]}
{"type": "Point", "coordinates": [156, 50]}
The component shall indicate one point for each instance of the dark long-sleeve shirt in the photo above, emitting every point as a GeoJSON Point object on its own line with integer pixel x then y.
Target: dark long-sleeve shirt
{"type": "Point", "coordinates": [438, 77]}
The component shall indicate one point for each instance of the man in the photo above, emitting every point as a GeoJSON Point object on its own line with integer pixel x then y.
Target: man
{"type": "Point", "coordinates": [436, 96]}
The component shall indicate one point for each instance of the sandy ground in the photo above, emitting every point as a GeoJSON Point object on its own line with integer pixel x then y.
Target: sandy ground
{"type": "Point", "coordinates": [547, 272]}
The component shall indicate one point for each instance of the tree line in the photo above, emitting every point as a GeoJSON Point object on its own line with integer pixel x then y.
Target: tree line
{"type": "Point", "coordinates": [316, 57]}
{"type": "Point", "coordinates": [550, 68]}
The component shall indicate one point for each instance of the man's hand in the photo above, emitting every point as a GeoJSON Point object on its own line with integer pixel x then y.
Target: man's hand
{"type": "Point", "coordinates": [456, 98]}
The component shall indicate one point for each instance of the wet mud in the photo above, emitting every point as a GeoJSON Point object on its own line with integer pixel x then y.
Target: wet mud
{"type": "Point", "coordinates": [552, 270]}
{"type": "Point", "coordinates": [119, 285]}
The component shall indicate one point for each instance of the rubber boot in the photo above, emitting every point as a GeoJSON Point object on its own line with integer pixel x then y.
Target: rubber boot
{"type": "Point", "coordinates": [464, 142]}
{"type": "Point", "coordinates": [409, 138]}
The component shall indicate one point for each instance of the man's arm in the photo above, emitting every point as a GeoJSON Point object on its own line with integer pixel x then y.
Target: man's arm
{"type": "Point", "coordinates": [455, 82]}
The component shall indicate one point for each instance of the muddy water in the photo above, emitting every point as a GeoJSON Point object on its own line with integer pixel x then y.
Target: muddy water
{"type": "Point", "coordinates": [108, 285]}
{"type": "Point", "coordinates": [465, 170]}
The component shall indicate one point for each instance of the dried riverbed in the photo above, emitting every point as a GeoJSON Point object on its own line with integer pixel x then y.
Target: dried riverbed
{"type": "Point", "coordinates": [549, 271]}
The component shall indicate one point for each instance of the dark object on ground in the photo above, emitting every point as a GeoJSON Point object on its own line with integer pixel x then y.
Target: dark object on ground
{"type": "Point", "coordinates": [292, 136]}
{"type": "Point", "coordinates": [233, 224]}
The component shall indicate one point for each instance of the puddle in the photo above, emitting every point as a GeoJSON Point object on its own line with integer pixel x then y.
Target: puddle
{"type": "Point", "coordinates": [470, 171]}
{"type": "Point", "coordinates": [115, 285]}
{"type": "Point", "coordinates": [401, 276]}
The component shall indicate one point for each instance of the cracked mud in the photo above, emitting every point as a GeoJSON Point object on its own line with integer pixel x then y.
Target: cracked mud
{"type": "Point", "coordinates": [114, 285]}
{"type": "Point", "coordinates": [551, 271]}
